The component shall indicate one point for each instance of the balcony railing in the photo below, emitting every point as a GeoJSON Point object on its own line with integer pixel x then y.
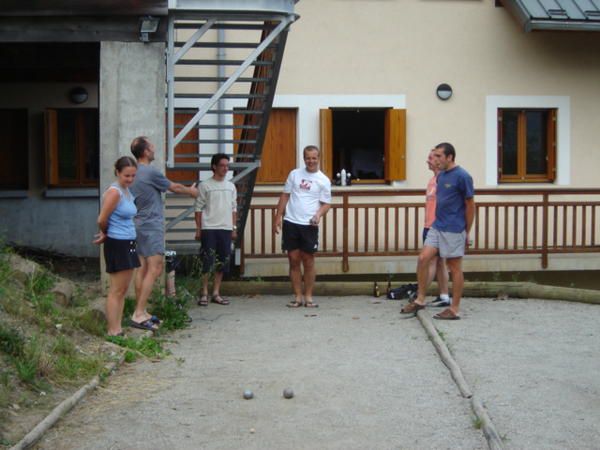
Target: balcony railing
{"type": "Point", "coordinates": [389, 223]}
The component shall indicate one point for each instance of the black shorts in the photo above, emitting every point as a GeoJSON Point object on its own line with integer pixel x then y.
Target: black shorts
{"type": "Point", "coordinates": [120, 254]}
{"type": "Point", "coordinates": [300, 237]}
{"type": "Point", "coordinates": [215, 250]}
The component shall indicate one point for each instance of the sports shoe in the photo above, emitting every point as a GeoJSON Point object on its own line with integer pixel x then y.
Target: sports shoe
{"type": "Point", "coordinates": [440, 303]}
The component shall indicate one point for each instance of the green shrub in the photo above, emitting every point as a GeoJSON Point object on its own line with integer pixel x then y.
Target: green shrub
{"type": "Point", "coordinates": [172, 311]}
{"type": "Point", "coordinates": [12, 341]}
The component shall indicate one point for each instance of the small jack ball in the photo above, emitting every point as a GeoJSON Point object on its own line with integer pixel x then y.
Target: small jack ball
{"type": "Point", "coordinates": [288, 393]}
{"type": "Point", "coordinates": [248, 394]}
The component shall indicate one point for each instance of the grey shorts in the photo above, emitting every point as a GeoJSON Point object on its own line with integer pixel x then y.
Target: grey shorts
{"type": "Point", "coordinates": [449, 245]}
{"type": "Point", "coordinates": [150, 242]}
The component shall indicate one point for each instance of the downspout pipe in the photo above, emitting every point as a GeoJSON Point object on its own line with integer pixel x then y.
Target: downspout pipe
{"type": "Point", "coordinates": [221, 74]}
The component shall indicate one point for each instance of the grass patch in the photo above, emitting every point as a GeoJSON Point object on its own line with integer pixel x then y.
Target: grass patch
{"type": "Point", "coordinates": [148, 347]}
{"type": "Point", "coordinates": [477, 423]}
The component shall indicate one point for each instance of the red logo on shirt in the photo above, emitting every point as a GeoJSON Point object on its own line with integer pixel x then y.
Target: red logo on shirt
{"type": "Point", "coordinates": [305, 184]}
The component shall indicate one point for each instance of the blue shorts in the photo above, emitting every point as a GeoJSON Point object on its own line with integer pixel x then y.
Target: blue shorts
{"type": "Point", "coordinates": [215, 250]}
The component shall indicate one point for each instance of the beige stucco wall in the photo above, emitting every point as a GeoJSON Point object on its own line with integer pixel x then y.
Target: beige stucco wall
{"type": "Point", "coordinates": [408, 47]}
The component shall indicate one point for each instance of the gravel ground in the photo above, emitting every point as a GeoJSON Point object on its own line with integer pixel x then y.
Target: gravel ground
{"type": "Point", "coordinates": [536, 366]}
{"type": "Point", "coordinates": [364, 377]}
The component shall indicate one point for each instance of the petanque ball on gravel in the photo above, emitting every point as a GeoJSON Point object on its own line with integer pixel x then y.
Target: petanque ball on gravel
{"type": "Point", "coordinates": [248, 394]}
{"type": "Point", "coordinates": [288, 393]}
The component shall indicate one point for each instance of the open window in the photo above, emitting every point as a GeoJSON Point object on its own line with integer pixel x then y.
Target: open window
{"type": "Point", "coordinates": [72, 148]}
{"type": "Point", "coordinates": [14, 154]}
{"type": "Point", "coordinates": [370, 143]}
{"type": "Point", "coordinates": [526, 145]}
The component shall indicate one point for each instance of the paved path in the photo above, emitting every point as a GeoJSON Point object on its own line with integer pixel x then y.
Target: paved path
{"type": "Point", "coordinates": [364, 378]}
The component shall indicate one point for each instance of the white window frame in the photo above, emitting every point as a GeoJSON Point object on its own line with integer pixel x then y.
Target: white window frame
{"type": "Point", "coordinates": [563, 132]}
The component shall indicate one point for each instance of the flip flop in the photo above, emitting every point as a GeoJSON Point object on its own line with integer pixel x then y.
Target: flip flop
{"type": "Point", "coordinates": [446, 314]}
{"type": "Point", "coordinates": [219, 300]}
{"type": "Point", "coordinates": [294, 304]}
{"type": "Point", "coordinates": [412, 308]}
{"type": "Point", "coordinates": [311, 305]}
{"type": "Point", "coordinates": [145, 325]}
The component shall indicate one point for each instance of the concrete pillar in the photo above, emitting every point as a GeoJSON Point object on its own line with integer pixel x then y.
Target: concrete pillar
{"type": "Point", "coordinates": [132, 103]}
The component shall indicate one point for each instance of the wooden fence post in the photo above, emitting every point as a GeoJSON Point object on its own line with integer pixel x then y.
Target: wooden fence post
{"type": "Point", "coordinates": [345, 262]}
{"type": "Point", "coordinates": [545, 230]}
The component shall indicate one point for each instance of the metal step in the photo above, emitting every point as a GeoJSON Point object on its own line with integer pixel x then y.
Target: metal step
{"type": "Point", "coordinates": [220, 127]}
{"type": "Point", "coordinates": [199, 155]}
{"type": "Point", "coordinates": [219, 79]}
{"type": "Point", "coordinates": [179, 44]}
{"type": "Point", "coordinates": [218, 141]}
{"type": "Point", "coordinates": [220, 62]}
{"type": "Point", "coordinates": [223, 96]}
{"type": "Point", "coordinates": [206, 166]}
{"type": "Point", "coordinates": [220, 26]}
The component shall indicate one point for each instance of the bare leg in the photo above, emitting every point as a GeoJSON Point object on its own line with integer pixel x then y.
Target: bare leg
{"type": "Point", "coordinates": [296, 273]}
{"type": "Point", "coordinates": [425, 257]}
{"type": "Point", "coordinates": [432, 269]}
{"type": "Point", "coordinates": [308, 263]}
{"type": "Point", "coordinates": [119, 283]}
{"type": "Point", "coordinates": [455, 266]}
{"type": "Point", "coordinates": [140, 273]}
{"type": "Point", "coordinates": [442, 275]}
{"type": "Point", "coordinates": [154, 265]}
{"type": "Point", "coordinates": [217, 284]}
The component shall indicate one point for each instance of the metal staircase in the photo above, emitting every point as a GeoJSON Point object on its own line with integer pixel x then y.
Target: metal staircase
{"type": "Point", "coordinates": [222, 70]}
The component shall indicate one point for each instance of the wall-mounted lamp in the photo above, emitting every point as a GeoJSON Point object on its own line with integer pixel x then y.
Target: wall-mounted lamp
{"type": "Point", "coordinates": [444, 91]}
{"type": "Point", "coordinates": [148, 24]}
{"type": "Point", "coordinates": [78, 95]}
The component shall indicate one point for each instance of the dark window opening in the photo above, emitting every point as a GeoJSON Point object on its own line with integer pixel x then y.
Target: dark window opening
{"type": "Point", "coordinates": [14, 154]}
{"type": "Point", "coordinates": [358, 143]}
{"type": "Point", "coordinates": [73, 147]}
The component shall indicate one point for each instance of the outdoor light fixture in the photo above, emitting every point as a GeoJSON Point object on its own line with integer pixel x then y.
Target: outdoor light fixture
{"type": "Point", "coordinates": [148, 24]}
{"type": "Point", "coordinates": [444, 91]}
{"type": "Point", "coordinates": [78, 95]}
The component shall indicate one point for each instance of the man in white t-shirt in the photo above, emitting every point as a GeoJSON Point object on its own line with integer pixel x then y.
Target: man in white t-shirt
{"type": "Point", "coordinates": [305, 199]}
{"type": "Point", "coordinates": [216, 217]}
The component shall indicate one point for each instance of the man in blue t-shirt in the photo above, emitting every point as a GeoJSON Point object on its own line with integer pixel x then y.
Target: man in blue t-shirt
{"type": "Point", "coordinates": [448, 236]}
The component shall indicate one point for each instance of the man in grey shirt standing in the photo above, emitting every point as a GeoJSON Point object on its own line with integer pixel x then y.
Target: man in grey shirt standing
{"type": "Point", "coordinates": [148, 187]}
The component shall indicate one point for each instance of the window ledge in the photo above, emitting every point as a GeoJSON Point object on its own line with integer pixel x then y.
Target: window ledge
{"type": "Point", "coordinates": [71, 193]}
{"type": "Point", "coordinates": [14, 194]}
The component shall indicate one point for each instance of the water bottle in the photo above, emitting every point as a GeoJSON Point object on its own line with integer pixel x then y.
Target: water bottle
{"type": "Point", "coordinates": [343, 177]}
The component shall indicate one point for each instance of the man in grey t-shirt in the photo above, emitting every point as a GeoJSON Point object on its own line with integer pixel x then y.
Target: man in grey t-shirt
{"type": "Point", "coordinates": [148, 187]}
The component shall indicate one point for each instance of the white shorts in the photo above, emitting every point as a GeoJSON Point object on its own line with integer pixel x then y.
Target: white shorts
{"type": "Point", "coordinates": [449, 245]}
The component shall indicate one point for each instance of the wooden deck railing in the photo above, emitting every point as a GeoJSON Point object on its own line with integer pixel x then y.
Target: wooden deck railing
{"type": "Point", "coordinates": [390, 223]}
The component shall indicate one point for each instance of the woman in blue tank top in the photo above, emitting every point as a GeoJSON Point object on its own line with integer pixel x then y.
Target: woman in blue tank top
{"type": "Point", "coordinates": [117, 232]}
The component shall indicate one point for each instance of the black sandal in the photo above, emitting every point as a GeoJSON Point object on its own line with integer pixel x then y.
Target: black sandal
{"type": "Point", "coordinates": [219, 300]}
{"type": "Point", "coordinates": [294, 304]}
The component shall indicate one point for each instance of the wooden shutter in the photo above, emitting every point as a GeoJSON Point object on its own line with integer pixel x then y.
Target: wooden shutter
{"type": "Point", "coordinates": [51, 144]}
{"type": "Point", "coordinates": [279, 147]}
{"type": "Point", "coordinates": [395, 145]}
{"type": "Point", "coordinates": [326, 124]}
{"type": "Point", "coordinates": [184, 176]}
